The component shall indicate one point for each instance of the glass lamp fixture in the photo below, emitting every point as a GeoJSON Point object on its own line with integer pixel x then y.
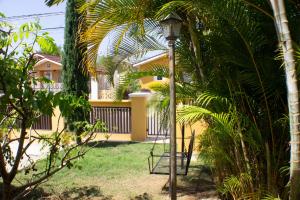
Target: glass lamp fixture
{"type": "Point", "coordinates": [171, 26]}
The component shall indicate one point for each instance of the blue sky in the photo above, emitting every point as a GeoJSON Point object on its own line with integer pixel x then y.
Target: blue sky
{"type": "Point", "coordinates": [26, 7]}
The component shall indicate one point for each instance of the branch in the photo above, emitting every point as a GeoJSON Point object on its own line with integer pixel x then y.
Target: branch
{"type": "Point", "coordinates": [19, 154]}
{"type": "Point", "coordinates": [46, 176]}
{"type": "Point", "coordinates": [3, 171]}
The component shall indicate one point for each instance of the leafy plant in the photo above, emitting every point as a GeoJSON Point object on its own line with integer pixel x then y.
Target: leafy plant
{"type": "Point", "coordinates": [21, 106]}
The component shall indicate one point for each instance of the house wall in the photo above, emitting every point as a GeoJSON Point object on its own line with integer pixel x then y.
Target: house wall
{"type": "Point", "coordinates": [199, 127]}
{"type": "Point", "coordinates": [163, 61]}
{"type": "Point", "coordinates": [54, 68]}
{"type": "Point", "coordinates": [46, 66]}
{"type": "Point", "coordinates": [56, 76]}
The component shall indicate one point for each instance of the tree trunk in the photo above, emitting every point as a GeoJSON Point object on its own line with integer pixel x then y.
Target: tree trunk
{"type": "Point", "coordinates": [196, 50]}
{"type": "Point", "coordinates": [6, 191]}
{"type": "Point", "coordinates": [285, 41]}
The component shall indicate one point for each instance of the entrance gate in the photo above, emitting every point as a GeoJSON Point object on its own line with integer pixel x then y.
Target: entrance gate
{"type": "Point", "coordinates": [156, 123]}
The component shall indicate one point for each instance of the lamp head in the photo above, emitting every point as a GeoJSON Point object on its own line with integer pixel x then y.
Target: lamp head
{"type": "Point", "coordinates": [171, 26]}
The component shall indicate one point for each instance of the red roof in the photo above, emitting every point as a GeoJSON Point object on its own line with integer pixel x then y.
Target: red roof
{"type": "Point", "coordinates": [41, 56]}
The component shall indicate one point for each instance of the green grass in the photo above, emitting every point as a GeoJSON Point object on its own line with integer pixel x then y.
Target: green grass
{"type": "Point", "coordinates": [112, 160]}
{"type": "Point", "coordinates": [119, 171]}
{"type": "Point", "coordinates": [111, 170]}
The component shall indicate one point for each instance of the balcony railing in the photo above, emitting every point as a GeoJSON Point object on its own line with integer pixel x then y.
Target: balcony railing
{"type": "Point", "coordinates": [106, 94]}
{"type": "Point", "coordinates": [53, 87]}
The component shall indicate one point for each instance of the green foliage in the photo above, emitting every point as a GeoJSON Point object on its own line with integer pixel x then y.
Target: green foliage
{"type": "Point", "coordinates": [225, 70]}
{"type": "Point", "coordinates": [45, 48]}
{"type": "Point", "coordinates": [110, 67]}
{"type": "Point", "coordinates": [21, 106]}
{"type": "Point", "coordinates": [236, 186]}
{"type": "Point", "coordinates": [53, 2]}
{"type": "Point", "coordinates": [75, 81]}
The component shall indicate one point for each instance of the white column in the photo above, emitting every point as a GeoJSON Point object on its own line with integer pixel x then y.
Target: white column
{"type": "Point", "coordinates": [94, 88]}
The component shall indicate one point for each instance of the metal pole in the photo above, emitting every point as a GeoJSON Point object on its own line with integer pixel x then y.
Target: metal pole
{"type": "Point", "coordinates": [182, 145]}
{"type": "Point", "coordinates": [173, 162]}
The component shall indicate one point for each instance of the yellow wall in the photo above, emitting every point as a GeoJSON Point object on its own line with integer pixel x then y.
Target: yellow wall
{"type": "Point", "coordinates": [138, 104]}
{"type": "Point", "coordinates": [54, 68]}
{"type": "Point", "coordinates": [57, 125]}
{"type": "Point", "coordinates": [138, 116]}
{"type": "Point", "coordinates": [44, 66]}
{"type": "Point", "coordinates": [163, 61]}
{"type": "Point", "coordinates": [110, 103]}
{"type": "Point", "coordinates": [199, 128]}
{"type": "Point", "coordinates": [113, 137]}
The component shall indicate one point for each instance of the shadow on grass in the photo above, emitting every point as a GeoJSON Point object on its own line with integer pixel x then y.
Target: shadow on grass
{"type": "Point", "coordinates": [76, 193]}
{"type": "Point", "coordinates": [144, 196]}
{"type": "Point", "coordinates": [105, 144]}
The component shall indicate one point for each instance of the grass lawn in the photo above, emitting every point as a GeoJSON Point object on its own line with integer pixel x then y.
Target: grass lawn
{"type": "Point", "coordinates": [109, 171]}
{"type": "Point", "coordinates": [114, 171]}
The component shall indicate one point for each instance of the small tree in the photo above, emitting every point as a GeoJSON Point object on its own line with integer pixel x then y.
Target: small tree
{"type": "Point", "coordinates": [75, 81]}
{"type": "Point", "coordinates": [20, 107]}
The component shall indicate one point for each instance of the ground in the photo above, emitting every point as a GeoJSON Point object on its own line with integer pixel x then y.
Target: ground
{"type": "Point", "coordinates": [119, 171]}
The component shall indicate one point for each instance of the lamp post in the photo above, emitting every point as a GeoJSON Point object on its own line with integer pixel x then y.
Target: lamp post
{"type": "Point", "coordinates": [171, 28]}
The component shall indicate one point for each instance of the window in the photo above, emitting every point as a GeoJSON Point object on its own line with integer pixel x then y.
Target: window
{"type": "Point", "coordinates": [158, 78]}
{"type": "Point", "coordinates": [48, 75]}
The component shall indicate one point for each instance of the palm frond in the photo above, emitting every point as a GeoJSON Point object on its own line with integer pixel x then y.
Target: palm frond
{"type": "Point", "coordinates": [53, 2]}
{"type": "Point", "coordinates": [205, 98]}
{"type": "Point", "coordinates": [121, 17]}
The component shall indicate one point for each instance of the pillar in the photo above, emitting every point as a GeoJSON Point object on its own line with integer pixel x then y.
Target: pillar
{"type": "Point", "coordinates": [138, 115]}
{"type": "Point", "coordinates": [94, 88]}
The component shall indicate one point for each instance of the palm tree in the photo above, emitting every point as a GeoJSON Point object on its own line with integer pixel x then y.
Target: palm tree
{"type": "Point", "coordinates": [226, 50]}
{"type": "Point", "coordinates": [285, 42]}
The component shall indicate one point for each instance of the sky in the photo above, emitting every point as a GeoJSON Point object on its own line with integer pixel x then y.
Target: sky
{"type": "Point", "coordinates": [26, 7]}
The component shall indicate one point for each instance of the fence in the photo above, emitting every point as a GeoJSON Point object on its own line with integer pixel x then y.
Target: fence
{"type": "Point", "coordinates": [115, 119]}
{"type": "Point", "coordinates": [44, 122]}
{"type": "Point", "coordinates": [155, 122]}
{"type": "Point", "coordinates": [125, 120]}
{"type": "Point", "coordinates": [53, 87]}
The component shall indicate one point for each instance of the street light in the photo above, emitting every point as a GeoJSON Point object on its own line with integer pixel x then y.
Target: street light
{"type": "Point", "coordinates": [171, 28]}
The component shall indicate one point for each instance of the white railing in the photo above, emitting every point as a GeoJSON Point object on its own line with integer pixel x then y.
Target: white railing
{"type": "Point", "coordinates": [53, 87]}
{"type": "Point", "coordinates": [106, 94]}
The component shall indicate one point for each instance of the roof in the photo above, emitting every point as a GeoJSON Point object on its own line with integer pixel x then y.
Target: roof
{"type": "Point", "coordinates": [147, 60]}
{"type": "Point", "coordinates": [42, 58]}
{"type": "Point", "coordinates": [53, 58]}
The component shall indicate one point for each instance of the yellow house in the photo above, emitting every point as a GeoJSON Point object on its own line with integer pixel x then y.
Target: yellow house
{"type": "Point", "coordinates": [146, 64]}
{"type": "Point", "coordinates": [50, 67]}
